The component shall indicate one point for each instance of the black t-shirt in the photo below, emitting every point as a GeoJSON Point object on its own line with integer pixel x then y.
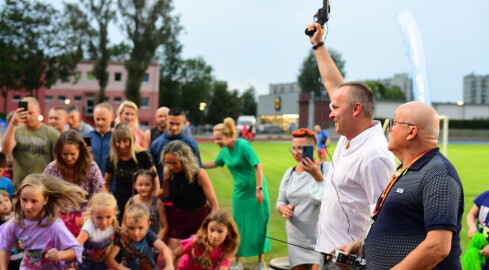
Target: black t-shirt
{"type": "Point", "coordinates": [186, 195]}
{"type": "Point", "coordinates": [123, 176]}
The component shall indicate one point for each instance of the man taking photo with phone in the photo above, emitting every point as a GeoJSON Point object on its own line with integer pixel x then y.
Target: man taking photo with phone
{"type": "Point", "coordinates": [29, 141]}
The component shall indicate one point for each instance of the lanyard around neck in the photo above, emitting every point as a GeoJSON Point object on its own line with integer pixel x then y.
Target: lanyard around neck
{"type": "Point", "coordinates": [392, 181]}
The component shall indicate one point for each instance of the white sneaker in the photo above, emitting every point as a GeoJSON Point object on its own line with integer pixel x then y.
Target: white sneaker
{"type": "Point", "coordinates": [262, 266]}
{"type": "Point", "coordinates": [236, 266]}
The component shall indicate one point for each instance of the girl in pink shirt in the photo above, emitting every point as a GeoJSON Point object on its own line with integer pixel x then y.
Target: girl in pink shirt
{"type": "Point", "coordinates": [214, 245]}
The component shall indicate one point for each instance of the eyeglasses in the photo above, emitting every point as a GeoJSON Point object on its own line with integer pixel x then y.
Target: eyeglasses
{"type": "Point", "coordinates": [297, 149]}
{"type": "Point", "coordinates": [170, 163]}
{"type": "Point", "coordinates": [392, 123]}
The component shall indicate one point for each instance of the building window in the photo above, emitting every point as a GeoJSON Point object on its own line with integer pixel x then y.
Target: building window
{"type": "Point", "coordinates": [117, 100]}
{"type": "Point", "coordinates": [145, 103]}
{"type": "Point", "coordinates": [16, 98]}
{"type": "Point", "coordinates": [77, 76]}
{"type": "Point", "coordinates": [48, 99]}
{"type": "Point", "coordinates": [143, 125]}
{"type": "Point", "coordinates": [117, 76]}
{"type": "Point", "coordinates": [90, 76]}
{"type": "Point", "coordinates": [146, 77]}
{"type": "Point", "coordinates": [89, 105]}
{"type": "Point", "coordinates": [77, 99]}
{"type": "Point", "coordinates": [61, 99]}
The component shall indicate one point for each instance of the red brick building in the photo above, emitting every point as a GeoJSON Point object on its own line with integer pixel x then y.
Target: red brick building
{"type": "Point", "coordinates": [84, 93]}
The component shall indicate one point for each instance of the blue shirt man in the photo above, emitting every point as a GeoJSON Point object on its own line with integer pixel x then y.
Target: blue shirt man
{"type": "Point", "coordinates": [100, 137]}
{"type": "Point", "coordinates": [176, 120]}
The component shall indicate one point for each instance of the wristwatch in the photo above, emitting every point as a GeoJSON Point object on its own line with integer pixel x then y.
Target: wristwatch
{"type": "Point", "coordinates": [259, 188]}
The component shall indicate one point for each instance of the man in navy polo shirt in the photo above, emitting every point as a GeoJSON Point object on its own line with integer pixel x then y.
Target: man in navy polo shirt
{"type": "Point", "coordinates": [418, 217]}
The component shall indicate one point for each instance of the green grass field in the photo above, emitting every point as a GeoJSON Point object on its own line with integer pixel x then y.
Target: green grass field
{"type": "Point", "coordinates": [471, 161]}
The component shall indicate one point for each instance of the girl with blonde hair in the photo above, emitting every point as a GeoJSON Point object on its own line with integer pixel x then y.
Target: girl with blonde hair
{"type": "Point", "coordinates": [36, 227]}
{"type": "Point", "coordinates": [124, 159]}
{"type": "Point", "coordinates": [251, 206]}
{"type": "Point", "coordinates": [98, 233]}
{"type": "Point", "coordinates": [128, 112]}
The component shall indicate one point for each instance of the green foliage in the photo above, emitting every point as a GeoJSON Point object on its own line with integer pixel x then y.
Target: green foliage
{"type": "Point", "coordinates": [223, 103]}
{"type": "Point", "coordinates": [383, 93]}
{"type": "Point", "coordinates": [37, 46]}
{"type": "Point", "coordinates": [94, 17]}
{"type": "Point", "coordinates": [170, 73]}
{"type": "Point", "coordinates": [309, 77]}
{"type": "Point", "coordinates": [148, 24]}
{"type": "Point", "coordinates": [119, 51]}
{"type": "Point", "coordinates": [249, 105]}
{"type": "Point", "coordinates": [195, 87]}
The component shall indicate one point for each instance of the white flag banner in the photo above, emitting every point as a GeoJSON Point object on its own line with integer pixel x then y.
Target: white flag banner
{"type": "Point", "coordinates": [415, 52]}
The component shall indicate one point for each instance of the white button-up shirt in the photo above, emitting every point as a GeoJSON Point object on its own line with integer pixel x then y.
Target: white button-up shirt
{"type": "Point", "coordinates": [355, 180]}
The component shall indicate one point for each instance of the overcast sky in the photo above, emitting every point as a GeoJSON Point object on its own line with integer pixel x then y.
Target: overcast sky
{"type": "Point", "coordinates": [258, 42]}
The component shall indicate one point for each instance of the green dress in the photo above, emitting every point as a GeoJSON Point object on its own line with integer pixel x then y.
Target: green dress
{"type": "Point", "coordinates": [251, 217]}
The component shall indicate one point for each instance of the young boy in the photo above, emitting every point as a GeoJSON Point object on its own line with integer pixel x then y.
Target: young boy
{"type": "Point", "coordinates": [138, 253]}
{"type": "Point", "coordinates": [5, 183]}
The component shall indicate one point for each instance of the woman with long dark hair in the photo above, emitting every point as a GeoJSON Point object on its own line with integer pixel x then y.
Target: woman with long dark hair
{"type": "Point", "coordinates": [74, 164]}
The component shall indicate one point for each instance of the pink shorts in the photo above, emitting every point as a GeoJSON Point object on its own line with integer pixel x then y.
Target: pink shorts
{"type": "Point", "coordinates": [322, 153]}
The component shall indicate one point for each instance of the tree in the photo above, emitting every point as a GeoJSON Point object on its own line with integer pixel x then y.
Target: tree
{"type": "Point", "coordinates": [93, 18]}
{"type": "Point", "coordinates": [196, 84]}
{"type": "Point", "coordinates": [383, 93]}
{"type": "Point", "coordinates": [249, 102]}
{"type": "Point", "coordinates": [223, 103]}
{"type": "Point", "coordinates": [170, 73]}
{"type": "Point", "coordinates": [148, 24]}
{"type": "Point", "coordinates": [37, 47]}
{"type": "Point", "coordinates": [309, 77]}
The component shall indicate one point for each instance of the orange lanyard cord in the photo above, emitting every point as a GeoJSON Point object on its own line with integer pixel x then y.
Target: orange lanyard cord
{"type": "Point", "coordinates": [392, 181]}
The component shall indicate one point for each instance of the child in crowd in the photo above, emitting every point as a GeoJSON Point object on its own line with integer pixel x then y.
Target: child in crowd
{"type": "Point", "coordinates": [214, 245]}
{"type": "Point", "coordinates": [144, 184]}
{"type": "Point", "coordinates": [138, 253]}
{"type": "Point", "coordinates": [5, 182]}
{"type": "Point", "coordinates": [480, 213]}
{"type": "Point", "coordinates": [6, 213]}
{"type": "Point", "coordinates": [36, 227]}
{"type": "Point", "coordinates": [5, 206]}
{"type": "Point", "coordinates": [98, 232]}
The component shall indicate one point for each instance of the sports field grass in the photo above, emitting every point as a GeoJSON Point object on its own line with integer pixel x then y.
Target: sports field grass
{"type": "Point", "coordinates": [470, 160]}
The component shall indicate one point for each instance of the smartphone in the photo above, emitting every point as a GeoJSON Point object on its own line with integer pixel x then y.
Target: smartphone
{"type": "Point", "coordinates": [308, 151]}
{"type": "Point", "coordinates": [88, 141]}
{"type": "Point", "coordinates": [23, 104]}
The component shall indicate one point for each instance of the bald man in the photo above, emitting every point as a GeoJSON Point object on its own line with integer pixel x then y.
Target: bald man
{"type": "Point", "coordinates": [161, 117]}
{"type": "Point", "coordinates": [29, 141]}
{"type": "Point", "coordinates": [417, 220]}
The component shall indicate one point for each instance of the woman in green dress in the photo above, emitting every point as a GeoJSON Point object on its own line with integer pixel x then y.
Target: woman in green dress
{"type": "Point", "coordinates": [251, 206]}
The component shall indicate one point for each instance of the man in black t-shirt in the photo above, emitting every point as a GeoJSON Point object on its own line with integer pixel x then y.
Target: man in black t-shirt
{"type": "Point", "coordinates": [418, 218]}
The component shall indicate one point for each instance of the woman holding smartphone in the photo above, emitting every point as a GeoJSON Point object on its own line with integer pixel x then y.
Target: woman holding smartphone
{"type": "Point", "coordinates": [296, 205]}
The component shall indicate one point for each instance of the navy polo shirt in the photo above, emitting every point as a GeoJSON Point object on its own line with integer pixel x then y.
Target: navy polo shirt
{"type": "Point", "coordinates": [428, 197]}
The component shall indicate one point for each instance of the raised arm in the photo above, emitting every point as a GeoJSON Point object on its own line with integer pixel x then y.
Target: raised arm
{"type": "Point", "coordinates": [327, 68]}
{"type": "Point", "coordinates": [8, 140]}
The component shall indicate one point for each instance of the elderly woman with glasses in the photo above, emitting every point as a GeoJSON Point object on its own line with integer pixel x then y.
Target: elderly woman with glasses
{"type": "Point", "coordinates": [191, 191]}
{"type": "Point", "coordinates": [296, 204]}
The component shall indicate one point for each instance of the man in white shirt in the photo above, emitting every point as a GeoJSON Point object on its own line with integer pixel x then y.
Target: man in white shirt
{"type": "Point", "coordinates": [361, 164]}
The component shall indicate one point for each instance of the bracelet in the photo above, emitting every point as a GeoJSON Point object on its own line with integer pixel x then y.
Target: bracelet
{"type": "Point", "coordinates": [319, 44]}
